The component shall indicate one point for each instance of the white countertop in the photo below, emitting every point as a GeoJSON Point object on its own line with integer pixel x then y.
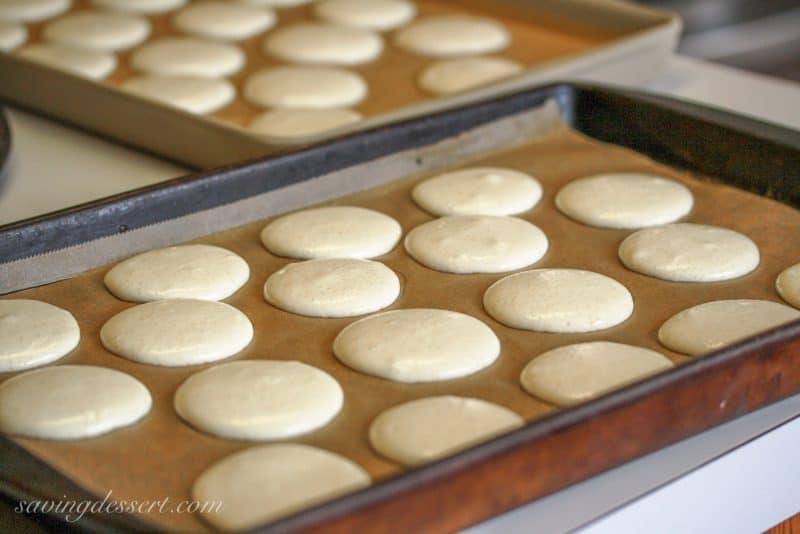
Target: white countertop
{"type": "Point", "coordinates": [740, 477]}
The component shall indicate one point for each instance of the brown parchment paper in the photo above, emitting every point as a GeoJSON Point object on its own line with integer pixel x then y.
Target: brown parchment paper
{"type": "Point", "coordinates": [161, 456]}
{"type": "Point", "coordinates": [392, 78]}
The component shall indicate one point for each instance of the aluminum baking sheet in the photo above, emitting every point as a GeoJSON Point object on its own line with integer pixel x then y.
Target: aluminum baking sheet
{"type": "Point", "coordinates": [554, 38]}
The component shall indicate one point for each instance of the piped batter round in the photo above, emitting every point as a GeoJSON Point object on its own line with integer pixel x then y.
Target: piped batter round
{"type": "Point", "coordinates": [31, 10]}
{"type": "Point", "coordinates": [177, 332]}
{"type": "Point", "coordinates": [476, 244]}
{"type": "Point", "coordinates": [259, 399]}
{"type": "Point", "coordinates": [34, 333]}
{"type": "Point", "coordinates": [227, 21]}
{"type": "Point", "coordinates": [478, 191]}
{"type": "Point", "coordinates": [417, 345]}
{"type": "Point", "coordinates": [67, 402]}
{"type": "Point", "coordinates": [264, 483]}
{"type": "Point", "coordinates": [91, 64]}
{"type": "Point", "coordinates": [449, 76]}
{"type": "Point", "coordinates": [141, 6]}
{"type": "Point", "coordinates": [12, 36]}
{"type": "Point", "coordinates": [293, 125]}
{"type": "Point", "coordinates": [332, 232]}
{"type": "Point", "coordinates": [275, 3]}
{"type": "Point", "coordinates": [788, 285]}
{"type": "Point", "coordinates": [193, 94]}
{"type": "Point", "coordinates": [322, 43]}
{"type": "Point", "coordinates": [453, 35]}
{"type": "Point", "coordinates": [187, 56]}
{"type": "Point", "coordinates": [427, 429]}
{"type": "Point", "coordinates": [98, 30]}
{"type": "Point", "coordinates": [714, 325]}
{"type": "Point", "coordinates": [558, 300]}
{"type": "Point", "coordinates": [305, 87]}
{"type": "Point", "coordinates": [686, 252]}
{"type": "Point", "coordinates": [332, 287]}
{"type": "Point", "coordinates": [624, 200]}
{"type": "Point", "coordinates": [578, 373]}
{"type": "Point", "coordinates": [182, 272]}
{"type": "Point", "coordinates": [379, 15]}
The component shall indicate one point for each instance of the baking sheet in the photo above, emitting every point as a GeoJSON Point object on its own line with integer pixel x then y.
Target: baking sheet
{"type": "Point", "coordinates": [161, 456]}
{"type": "Point", "coordinates": [392, 78]}
{"type": "Point", "coordinates": [550, 37]}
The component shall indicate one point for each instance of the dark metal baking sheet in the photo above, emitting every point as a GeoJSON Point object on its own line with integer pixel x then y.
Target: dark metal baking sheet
{"type": "Point", "coordinates": [550, 453]}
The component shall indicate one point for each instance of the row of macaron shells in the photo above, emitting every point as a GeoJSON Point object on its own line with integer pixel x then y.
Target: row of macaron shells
{"type": "Point", "coordinates": [335, 284]}
{"type": "Point", "coordinates": [487, 243]}
{"type": "Point", "coordinates": [476, 233]}
{"type": "Point", "coordinates": [512, 193]}
{"type": "Point", "coordinates": [304, 99]}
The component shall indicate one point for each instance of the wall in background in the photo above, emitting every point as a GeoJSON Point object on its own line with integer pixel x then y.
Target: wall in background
{"type": "Point", "coordinates": [758, 35]}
